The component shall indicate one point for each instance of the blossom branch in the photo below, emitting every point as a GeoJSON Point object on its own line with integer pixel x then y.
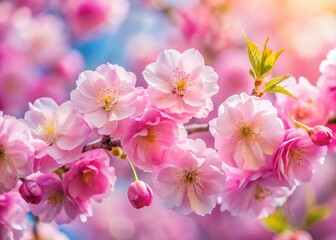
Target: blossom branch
{"type": "Point", "coordinates": [107, 143]}
{"type": "Point", "coordinates": [195, 128]}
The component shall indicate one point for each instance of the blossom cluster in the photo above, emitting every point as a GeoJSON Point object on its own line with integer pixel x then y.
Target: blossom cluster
{"type": "Point", "coordinates": [262, 149]}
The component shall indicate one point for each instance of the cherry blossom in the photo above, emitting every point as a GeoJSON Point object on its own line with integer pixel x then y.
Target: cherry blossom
{"type": "Point", "coordinates": [190, 178]}
{"type": "Point", "coordinates": [53, 126]}
{"type": "Point", "coordinates": [105, 96]}
{"type": "Point", "coordinates": [89, 177]}
{"type": "Point", "coordinates": [16, 152]}
{"type": "Point", "coordinates": [308, 108]}
{"type": "Point", "coordinates": [181, 85]}
{"type": "Point", "coordinates": [56, 205]}
{"type": "Point", "coordinates": [246, 131]}
{"type": "Point", "coordinates": [297, 158]}
{"type": "Point", "coordinates": [252, 194]}
{"type": "Point", "coordinates": [13, 219]}
{"type": "Point", "coordinates": [148, 136]}
{"type": "Point", "coordinates": [140, 194]}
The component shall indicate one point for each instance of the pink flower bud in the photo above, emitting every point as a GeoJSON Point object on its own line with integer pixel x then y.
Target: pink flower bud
{"type": "Point", "coordinates": [31, 192]}
{"type": "Point", "coordinates": [321, 135]}
{"type": "Point", "coordinates": [140, 194]}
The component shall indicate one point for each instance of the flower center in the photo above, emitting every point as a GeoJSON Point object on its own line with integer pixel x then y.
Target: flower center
{"type": "Point", "coordinates": [182, 82]}
{"type": "Point", "coordinates": [87, 177]}
{"type": "Point", "coordinates": [261, 193]}
{"type": "Point", "coordinates": [151, 135]}
{"type": "Point", "coordinates": [3, 154]}
{"type": "Point", "coordinates": [192, 178]}
{"type": "Point", "coordinates": [107, 97]}
{"type": "Point", "coordinates": [303, 110]}
{"type": "Point", "coordinates": [296, 155]}
{"type": "Point", "coordinates": [48, 130]}
{"type": "Point", "coordinates": [56, 198]}
{"type": "Point", "coordinates": [248, 133]}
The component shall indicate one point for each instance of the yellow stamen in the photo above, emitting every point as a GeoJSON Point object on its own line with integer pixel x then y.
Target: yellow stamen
{"type": "Point", "coordinates": [107, 97]}
{"type": "Point", "coordinates": [151, 135]}
{"type": "Point", "coordinates": [48, 130]}
{"type": "Point", "coordinates": [261, 193]}
{"type": "Point", "coordinates": [87, 177]}
{"type": "Point", "coordinates": [3, 154]}
{"type": "Point", "coordinates": [56, 198]}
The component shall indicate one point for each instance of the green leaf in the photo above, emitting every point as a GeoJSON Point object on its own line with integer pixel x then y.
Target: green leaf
{"type": "Point", "coordinates": [317, 214]}
{"type": "Point", "coordinates": [254, 56]}
{"type": "Point", "coordinates": [280, 89]}
{"type": "Point", "coordinates": [252, 74]}
{"type": "Point", "coordinates": [275, 81]}
{"type": "Point", "coordinates": [269, 62]}
{"type": "Point", "coordinates": [276, 222]}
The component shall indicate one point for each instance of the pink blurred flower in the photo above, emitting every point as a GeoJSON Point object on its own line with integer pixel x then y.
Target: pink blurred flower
{"type": "Point", "coordinates": [321, 135]}
{"type": "Point", "coordinates": [140, 194]}
{"type": "Point", "coordinates": [190, 178]}
{"type": "Point", "coordinates": [297, 158]}
{"type": "Point", "coordinates": [246, 131]}
{"type": "Point", "coordinates": [86, 17]}
{"type": "Point", "coordinates": [56, 204]}
{"type": "Point", "coordinates": [45, 231]}
{"type": "Point", "coordinates": [181, 85]}
{"type": "Point", "coordinates": [89, 177]}
{"type": "Point", "coordinates": [16, 152]}
{"type": "Point", "coordinates": [41, 37]}
{"type": "Point", "coordinates": [53, 126]}
{"type": "Point", "coordinates": [297, 235]}
{"type": "Point", "coordinates": [31, 191]}
{"type": "Point", "coordinates": [308, 108]}
{"type": "Point", "coordinates": [13, 219]}
{"type": "Point", "coordinates": [147, 136]}
{"type": "Point", "coordinates": [105, 97]}
{"type": "Point", "coordinates": [327, 81]}
{"type": "Point", "coordinates": [252, 194]}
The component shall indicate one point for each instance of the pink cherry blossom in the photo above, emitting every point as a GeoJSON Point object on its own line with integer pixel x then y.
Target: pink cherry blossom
{"type": "Point", "coordinates": [89, 177]}
{"type": "Point", "coordinates": [86, 17]}
{"type": "Point", "coordinates": [181, 85]}
{"type": "Point", "coordinates": [13, 220]}
{"type": "Point", "coordinates": [105, 96]}
{"type": "Point", "coordinates": [308, 108]}
{"type": "Point", "coordinates": [16, 152]}
{"type": "Point", "coordinates": [60, 130]}
{"type": "Point", "coordinates": [297, 158]}
{"type": "Point", "coordinates": [56, 204]}
{"type": "Point", "coordinates": [295, 235]}
{"type": "Point", "coordinates": [140, 194]}
{"type": "Point", "coordinates": [321, 135]}
{"type": "Point", "coordinates": [246, 131]}
{"type": "Point", "coordinates": [31, 191]}
{"type": "Point", "coordinates": [190, 178]}
{"type": "Point", "coordinates": [252, 194]}
{"type": "Point", "coordinates": [327, 81]}
{"type": "Point", "coordinates": [148, 135]}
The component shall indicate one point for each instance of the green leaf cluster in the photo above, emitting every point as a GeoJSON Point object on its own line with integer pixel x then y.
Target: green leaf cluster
{"type": "Point", "coordinates": [263, 61]}
{"type": "Point", "coordinates": [315, 213]}
{"type": "Point", "coordinates": [276, 222]}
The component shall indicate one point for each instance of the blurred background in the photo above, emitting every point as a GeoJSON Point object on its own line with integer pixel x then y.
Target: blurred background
{"type": "Point", "coordinates": [45, 44]}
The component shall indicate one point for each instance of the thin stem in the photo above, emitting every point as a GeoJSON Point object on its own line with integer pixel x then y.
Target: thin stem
{"type": "Point", "coordinates": [195, 128]}
{"type": "Point", "coordinates": [107, 143]}
{"type": "Point", "coordinates": [135, 176]}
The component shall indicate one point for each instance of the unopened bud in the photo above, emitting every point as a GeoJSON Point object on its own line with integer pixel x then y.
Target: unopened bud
{"type": "Point", "coordinates": [31, 191]}
{"type": "Point", "coordinates": [321, 135]}
{"type": "Point", "coordinates": [140, 194]}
